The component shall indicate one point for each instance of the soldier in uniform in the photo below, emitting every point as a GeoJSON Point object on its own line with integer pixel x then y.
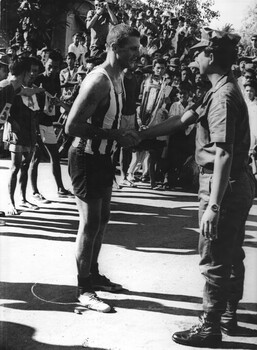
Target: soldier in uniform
{"type": "Point", "coordinates": [226, 186]}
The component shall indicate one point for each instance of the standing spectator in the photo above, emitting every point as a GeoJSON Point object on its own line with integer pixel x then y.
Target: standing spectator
{"type": "Point", "coordinates": [250, 92]}
{"type": "Point", "coordinates": [50, 81]}
{"type": "Point", "coordinates": [153, 92]}
{"type": "Point", "coordinates": [9, 88]}
{"type": "Point", "coordinates": [179, 148]}
{"type": "Point", "coordinates": [98, 22]}
{"type": "Point", "coordinates": [93, 120]}
{"type": "Point", "coordinates": [84, 47]}
{"type": "Point", "coordinates": [68, 78]}
{"type": "Point", "coordinates": [22, 140]}
{"type": "Point", "coordinates": [128, 120]}
{"type": "Point", "coordinates": [4, 61]}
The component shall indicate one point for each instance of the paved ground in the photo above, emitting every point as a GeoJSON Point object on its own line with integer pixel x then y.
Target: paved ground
{"type": "Point", "coordinates": [150, 247]}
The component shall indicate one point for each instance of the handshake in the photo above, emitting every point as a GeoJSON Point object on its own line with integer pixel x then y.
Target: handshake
{"type": "Point", "coordinates": [128, 138]}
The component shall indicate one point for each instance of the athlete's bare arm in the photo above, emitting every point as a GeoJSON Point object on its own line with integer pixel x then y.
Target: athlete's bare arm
{"type": "Point", "coordinates": [94, 94]}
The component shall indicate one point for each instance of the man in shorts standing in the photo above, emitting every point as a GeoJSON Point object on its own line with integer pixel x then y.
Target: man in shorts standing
{"type": "Point", "coordinates": [94, 121]}
{"type": "Point", "coordinates": [22, 140]}
{"type": "Point", "coordinates": [48, 102]}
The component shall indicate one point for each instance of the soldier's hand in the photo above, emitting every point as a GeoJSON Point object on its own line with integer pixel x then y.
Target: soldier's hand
{"type": "Point", "coordinates": [129, 138]}
{"type": "Point", "coordinates": [209, 224]}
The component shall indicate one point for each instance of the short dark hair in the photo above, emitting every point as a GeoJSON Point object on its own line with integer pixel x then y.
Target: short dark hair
{"type": "Point", "coordinates": [71, 55]}
{"type": "Point", "coordinates": [120, 33]}
{"type": "Point", "coordinates": [160, 61]}
{"type": "Point", "coordinates": [37, 62]}
{"type": "Point", "coordinates": [20, 65]}
{"type": "Point", "coordinates": [55, 56]}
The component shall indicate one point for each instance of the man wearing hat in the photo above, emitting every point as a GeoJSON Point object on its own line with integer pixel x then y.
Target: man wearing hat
{"type": "Point", "coordinates": [226, 189]}
{"type": "Point", "coordinates": [174, 64]}
{"type": "Point", "coordinates": [251, 50]}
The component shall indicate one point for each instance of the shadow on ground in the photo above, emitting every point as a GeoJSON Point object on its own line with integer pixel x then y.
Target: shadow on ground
{"type": "Point", "coordinates": [46, 297]}
{"type": "Point", "coordinates": [14, 333]}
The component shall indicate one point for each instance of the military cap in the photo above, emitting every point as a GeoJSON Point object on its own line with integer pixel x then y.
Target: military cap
{"type": "Point", "coordinates": [213, 38]}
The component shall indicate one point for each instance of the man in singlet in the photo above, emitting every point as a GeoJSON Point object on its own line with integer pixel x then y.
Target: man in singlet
{"type": "Point", "coordinates": [94, 121]}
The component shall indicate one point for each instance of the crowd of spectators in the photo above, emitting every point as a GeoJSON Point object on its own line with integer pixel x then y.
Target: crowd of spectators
{"type": "Point", "coordinates": [166, 38]}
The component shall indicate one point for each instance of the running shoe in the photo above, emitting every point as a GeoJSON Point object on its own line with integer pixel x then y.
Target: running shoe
{"type": "Point", "coordinates": [101, 282]}
{"type": "Point", "coordinates": [38, 197]}
{"type": "Point", "coordinates": [65, 193]}
{"type": "Point", "coordinates": [92, 302]}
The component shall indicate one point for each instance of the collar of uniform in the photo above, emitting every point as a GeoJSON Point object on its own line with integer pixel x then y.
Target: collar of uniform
{"type": "Point", "coordinates": [222, 81]}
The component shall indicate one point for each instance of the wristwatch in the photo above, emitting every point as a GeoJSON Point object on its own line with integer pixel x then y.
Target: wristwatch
{"type": "Point", "coordinates": [215, 208]}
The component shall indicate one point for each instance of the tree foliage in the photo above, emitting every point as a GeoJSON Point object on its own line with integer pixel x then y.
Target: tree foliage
{"type": "Point", "coordinates": [249, 24]}
{"type": "Point", "coordinates": [41, 17]}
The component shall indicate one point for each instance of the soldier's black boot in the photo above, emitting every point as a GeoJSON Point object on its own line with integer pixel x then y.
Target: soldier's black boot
{"type": "Point", "coordinates": [228, 322]}
{"type": "Point", "coordinates": [206, 334]}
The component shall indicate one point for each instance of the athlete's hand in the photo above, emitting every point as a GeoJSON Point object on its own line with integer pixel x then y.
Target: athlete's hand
{"type": "Point", "coordinates": [129, 138]}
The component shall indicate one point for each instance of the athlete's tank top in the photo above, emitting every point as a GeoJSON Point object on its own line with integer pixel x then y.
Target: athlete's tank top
{"type": "Point", "coordinates": [111, 120]}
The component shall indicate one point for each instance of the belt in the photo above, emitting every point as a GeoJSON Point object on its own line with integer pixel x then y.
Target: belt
{"type": "Point", "coordinates": [233, 175]}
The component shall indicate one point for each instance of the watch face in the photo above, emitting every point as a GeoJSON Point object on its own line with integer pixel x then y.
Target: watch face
{"type": "Point", "coordinates": [215, 208]}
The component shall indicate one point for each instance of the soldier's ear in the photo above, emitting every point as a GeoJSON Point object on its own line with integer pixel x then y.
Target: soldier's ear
{"type": "Point", "coordinates": [211, 57]}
